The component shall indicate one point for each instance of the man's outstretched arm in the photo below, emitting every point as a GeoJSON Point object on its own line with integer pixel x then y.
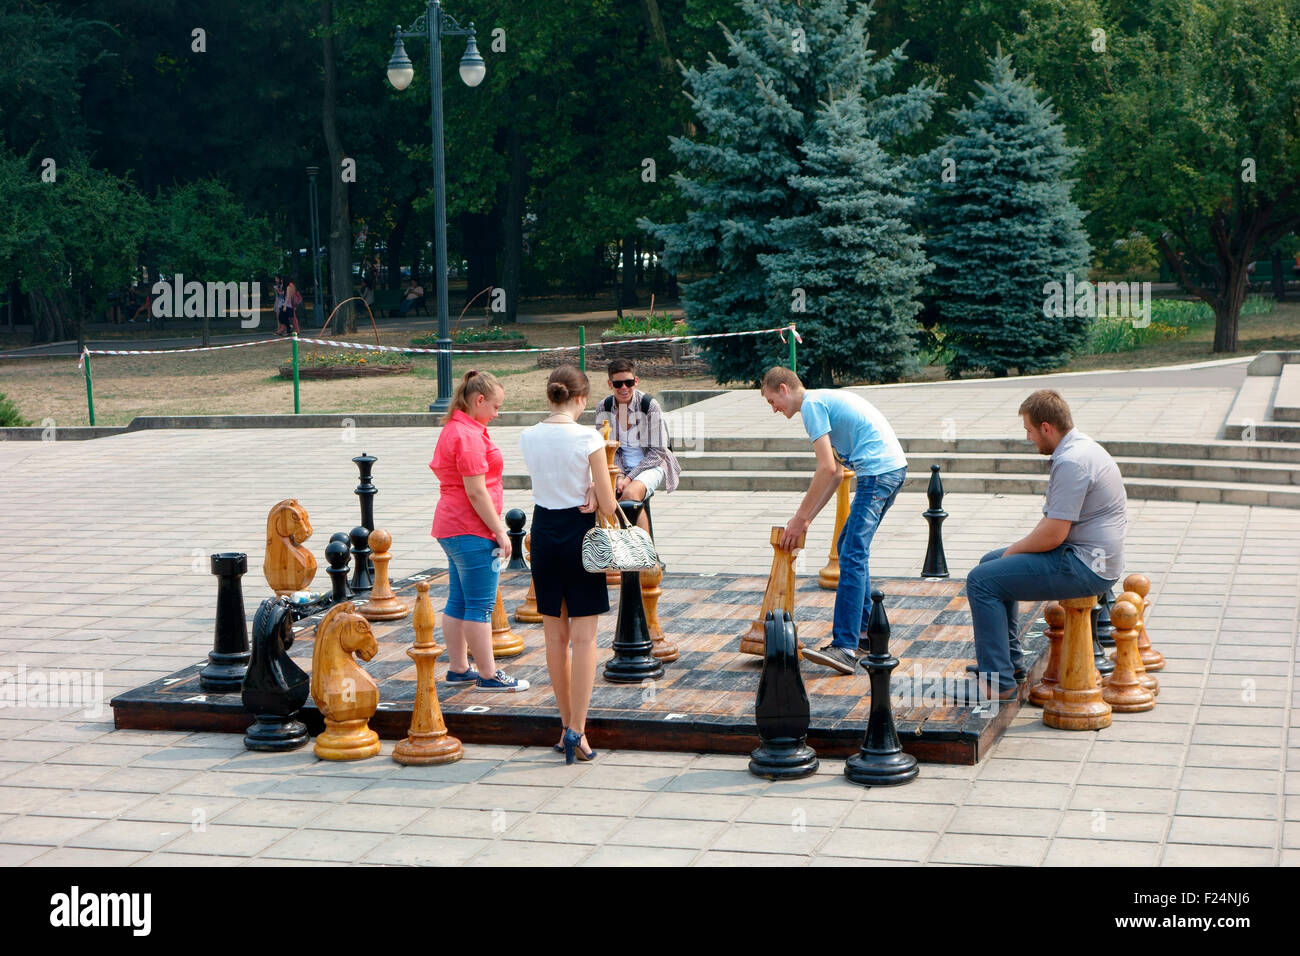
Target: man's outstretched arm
{"type": "Point", "coordinates": [824, 484]}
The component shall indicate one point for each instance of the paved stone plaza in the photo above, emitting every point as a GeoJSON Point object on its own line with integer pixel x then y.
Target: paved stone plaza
{"type": "Point", "coordinates": [109, 574]}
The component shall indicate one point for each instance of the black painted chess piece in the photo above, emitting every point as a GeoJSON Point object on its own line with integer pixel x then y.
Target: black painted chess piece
{"type": "Point", "coordinates": [515, 519]}
{"type": "Point", "coordinates": [337, 556]}
{"type": "Point", "coordinates": [781, 709]}
{"type": "Point", "coordinates": [633, 661]}
{"type": "Point", "coordinates": [275, 688]}
{"type": "Point", "coordinates": [1103, 663]}
{"type": "Point", "coordinates": [1105, 629]}
{"type": "Point", "coordinates": [936, 562]}
{"type": "Point", "coordinates": [228, 658]}
{"type": "Point", "coordinates": [363, 579]}
{"type": "Point", "coordinates": [366, 491]}
{"type": "Point", "coordinates": [881, 761]}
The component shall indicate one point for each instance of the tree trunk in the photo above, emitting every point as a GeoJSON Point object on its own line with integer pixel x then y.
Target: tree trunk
{"type": "Point", "coordinates": [673, 292]}
{"type": "Point", "coordinates": [628, 295]}
{"type": "Point", "coordinates": [340, 221]}
{"type": "Point", "coordinates": [513, 225]}
{"type": "Point", "coordinates": [480, 256]}
{"type": "Point", "coordinates": [1279, 281]}
{"type": "Point", "coordinates": [395, 240]}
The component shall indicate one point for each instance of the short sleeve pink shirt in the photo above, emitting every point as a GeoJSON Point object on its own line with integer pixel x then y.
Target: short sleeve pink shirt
{"type": "Point", "coordinates": [464, 448]}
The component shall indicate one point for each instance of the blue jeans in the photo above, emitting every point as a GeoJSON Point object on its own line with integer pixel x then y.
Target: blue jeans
{"type": "Point", "coordinates": [997, 583]}
{"type": "Point", "coordinates": [472, 577]}
{"type": "Point", "coordinates": [853, 595]}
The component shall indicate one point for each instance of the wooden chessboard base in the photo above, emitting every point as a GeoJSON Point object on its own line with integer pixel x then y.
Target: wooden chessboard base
{"type": "Point", "coordinates": [703, 704]}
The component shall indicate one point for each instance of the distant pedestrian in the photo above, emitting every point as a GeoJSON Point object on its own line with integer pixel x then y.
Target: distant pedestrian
{"type": "Point", "coordinates": [289, 313]}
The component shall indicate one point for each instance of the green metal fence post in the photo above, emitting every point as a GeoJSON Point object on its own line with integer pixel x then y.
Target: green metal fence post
{"type": "Point", "coordinates": [582, 347]}
{"type": "Point", "coordinates": [296, 405]}
{"type": "Point", "coordinates": [90, 395]}
{"type": "Point", "coordinates": [792, 367]}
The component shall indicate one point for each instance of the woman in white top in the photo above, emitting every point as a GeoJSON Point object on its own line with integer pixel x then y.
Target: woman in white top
{"type": "Point", "coordinates": [561, 457]}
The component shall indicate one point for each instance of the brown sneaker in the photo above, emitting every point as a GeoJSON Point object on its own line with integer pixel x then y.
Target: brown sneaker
{"type": "Point", "coordinates": [836, 658]}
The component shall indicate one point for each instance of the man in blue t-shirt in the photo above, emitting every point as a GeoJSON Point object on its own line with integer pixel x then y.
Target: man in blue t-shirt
{"type": "Point", "coordinates": [845, 424]}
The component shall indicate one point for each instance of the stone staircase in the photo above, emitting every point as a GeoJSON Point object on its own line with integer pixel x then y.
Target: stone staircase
{"type": "Point", "coordinates": [1267, 408]}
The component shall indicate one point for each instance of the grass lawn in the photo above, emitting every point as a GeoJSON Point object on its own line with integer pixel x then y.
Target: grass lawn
{"type": "Point", "coordinates": [246, 381]}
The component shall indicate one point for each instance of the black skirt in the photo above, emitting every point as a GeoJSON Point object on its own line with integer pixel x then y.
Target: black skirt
{"type": "Point", "coordinates": [558, 575]}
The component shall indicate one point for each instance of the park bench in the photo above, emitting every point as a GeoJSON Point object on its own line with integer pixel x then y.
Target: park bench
{"type": "Point", "coordinates": [388, 302]}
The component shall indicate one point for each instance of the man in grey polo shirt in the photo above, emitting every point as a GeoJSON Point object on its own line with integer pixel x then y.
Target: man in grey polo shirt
{"type": "Point", "coordinates": [1076, 550]}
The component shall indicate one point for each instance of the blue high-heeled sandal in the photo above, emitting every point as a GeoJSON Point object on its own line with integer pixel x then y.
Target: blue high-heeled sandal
{"type": "Point", "coordinates": [573, 747]}
{"type": "Point", "coordinates": [559, 748]}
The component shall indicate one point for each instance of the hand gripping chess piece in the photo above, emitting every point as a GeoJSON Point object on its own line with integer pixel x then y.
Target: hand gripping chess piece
{"type": "Point", "coordinates": [345, 694]}
{"type": "Point", "coordinates": [275, 687]}
{"type": "Point", "coordinates": [288, 566]}
{"type": "Point", "coordinates": [427, 742]}
{"type": "Point", "coordinates": [382, 605]}
{"type": "Point", "coordinates": [779, 592]}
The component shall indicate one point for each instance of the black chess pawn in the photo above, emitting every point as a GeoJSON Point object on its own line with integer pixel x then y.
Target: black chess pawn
{"type": "Point", "coordinates": [362, 577]}
{"type": "Point", "coordinates": [341, 536]}
{"type": "Point", "coordinates": [881, 761]}
{"type": "Point", "coordinates": [633, 661]}
{"type": "Point", "coordinates": [1105, 629]}
{"type": "Point", "coordinates": [936, 563]}
{"type": "Point", "coordinates": [366, 492]}
{"type": "Point", "coordinates": [515, 519]}
{"type": "Point", "coordinates": [781, 708]}
{"type": "Point", "coordinates": [337, 556]}
{"type": "Point", "coordinates": [228, 658]}
{"type": "Point", "coordinates": [275, 688]}
{"type": "Point", "coordinates": [1103, 663]}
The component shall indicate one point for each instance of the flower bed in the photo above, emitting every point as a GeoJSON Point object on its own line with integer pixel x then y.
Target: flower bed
{"type": "Point", "coordinates": [345, 371]}
{"type": "Point", "coordinates": [488, 339]}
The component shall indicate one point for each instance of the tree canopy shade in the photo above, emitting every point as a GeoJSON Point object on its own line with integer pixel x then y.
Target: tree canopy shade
{"type": "Point", "coordinates": [1190, 116]}
{"type": "Point", "coordinates": [795, 206]}
{"type": "Point", "coordinates": [1002, 225]}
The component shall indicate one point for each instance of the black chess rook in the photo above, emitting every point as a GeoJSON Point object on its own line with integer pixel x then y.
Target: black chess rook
{"type": "Point", "coordinates": [781, 707]}
{"type": "Point", "coordinates": [228, 659]}
{"type": "Point", "coordinates": [936, 563]}
{"type": "Point", "coordinates": [881, 761]}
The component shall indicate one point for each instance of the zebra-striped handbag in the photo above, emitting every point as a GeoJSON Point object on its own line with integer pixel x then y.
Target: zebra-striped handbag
{"type": "Point", "coordinates": [626, 548]}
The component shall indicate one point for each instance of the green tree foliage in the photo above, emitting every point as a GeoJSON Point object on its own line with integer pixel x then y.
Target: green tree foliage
{"type": "Point", "coordinates": [765, 175]}
{"type": "Point", "coordinates": [1001, 225]}
{"type": "Point", "coordinates": [9, 416]}
{"type": "Point", "coordinates": [1190, 116]}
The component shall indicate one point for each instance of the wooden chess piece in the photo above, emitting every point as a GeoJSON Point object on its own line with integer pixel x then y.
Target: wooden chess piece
{"type": "Point", "coordinates": [382, 605]}
{"type": "Point", "coordinates": [880, 761]}
{"type": "Point", "coordinates": [779, 592]}
{"type": "Point", "coordinates": [935, 564]}
{"type": "Point", "coordinates": [781, 709]}
{"type": "Point", "coordinates": [611, 447]}
{"type": "Point", "coordinates": [288, 566]}
{"type": "Point", "coordinates": [345, 694]}
{"type": "Point", "coordinates": [664, 649]}
{"type": "Point", "coordinates": [1123, 690]}
{"type": "Point", "coordinates": [1146, 680]}
{"type": "Point", "coordinates": [504, 642]}
{"type": "Point", "coordinates": [829, 576]}
{"type": "Point", "coordinates": [526, 613]}
{"type": "Point", "coordinates": [1140, 585]}
{"type": "Point", "coordinates": [275, 687]}
{"type": "Point", "coordinates": [1042, 692]}
{"type": "Point", "coordinates": [427, 742]}
{"type": "Point", "coordinates": [1077, 703]}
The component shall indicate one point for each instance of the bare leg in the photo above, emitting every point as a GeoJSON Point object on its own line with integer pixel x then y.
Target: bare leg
{"type": "Point", "coordinates": [478, 635]}
{"type": "Point", "coordinates": [634, 490]}
{"type": "Point", "coordinates": [557, 663]}
{"type": "Point", "coordinates": [453, 629]}
{"type": "Point", "coordinates": [582, 630]}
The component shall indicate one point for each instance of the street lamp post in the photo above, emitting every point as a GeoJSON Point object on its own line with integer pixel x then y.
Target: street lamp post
{"type": "Point", "coordinates": [434, 24]}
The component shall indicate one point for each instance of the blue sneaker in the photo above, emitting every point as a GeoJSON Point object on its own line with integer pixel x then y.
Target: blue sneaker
{"type": "Point", "coordinates": [502, 682]}
{"type": "Point", "coordinates": [462, 677]}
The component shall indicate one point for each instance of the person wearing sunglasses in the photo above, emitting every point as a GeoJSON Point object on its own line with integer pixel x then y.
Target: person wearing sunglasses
{"type": "Point", "coordinates": [636, 421]}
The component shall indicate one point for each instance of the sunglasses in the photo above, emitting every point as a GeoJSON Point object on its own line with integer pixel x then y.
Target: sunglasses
{"type": "Point", "coordinates": [624, 383]}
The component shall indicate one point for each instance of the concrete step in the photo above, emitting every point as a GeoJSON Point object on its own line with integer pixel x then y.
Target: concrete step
{"type": "Point", "coordinates": [1138, 489]}
{"type": "Point", "coordinates": [1234, 450]}
{"type": "Point", "coordinates": [1024, 464]}
{"type": "Point", "coordinates": [1286, 400]}
{"type": "Point", "coordinates": [1264, 431]}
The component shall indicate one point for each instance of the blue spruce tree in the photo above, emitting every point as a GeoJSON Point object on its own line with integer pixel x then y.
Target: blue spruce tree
{"type": "Point", "coordinates": [797, 210]}
{"type": "Point", "coordinates": [1001, 225]}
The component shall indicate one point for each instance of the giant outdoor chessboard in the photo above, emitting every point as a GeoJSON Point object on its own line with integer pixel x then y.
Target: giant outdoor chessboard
{"type": "Point", "coordinates": [703, 703]}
